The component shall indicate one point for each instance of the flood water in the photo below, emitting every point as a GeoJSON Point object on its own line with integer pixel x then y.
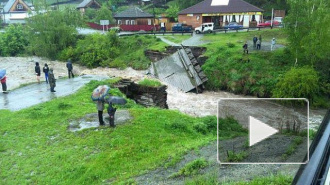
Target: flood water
{"type": "Point", "coordinates": [38, 93]}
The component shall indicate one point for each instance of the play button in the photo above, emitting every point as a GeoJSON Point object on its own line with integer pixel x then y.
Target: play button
{"type": "Point", "coordinates": [259, 131]}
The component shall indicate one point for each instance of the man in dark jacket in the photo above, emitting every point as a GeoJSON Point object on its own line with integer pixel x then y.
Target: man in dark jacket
{"type": "Point", "coordinates": [52, 80]}
{"type": "Point", "coordinates": [111, 112]}
{"type": "Point", "coordinates": [46, 70]}
{"type": "Point", "coordinates": [255, 39]}
{"type": "Point", "coordinates": [37, 70]}
{"type": "Point", "coordinates": [70, 68]}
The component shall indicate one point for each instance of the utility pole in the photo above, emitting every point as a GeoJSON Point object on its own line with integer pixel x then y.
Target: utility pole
{"type": "Point", "coordinates": [271, 20]}
{"type": "Point", "coordinates": [153, 9]}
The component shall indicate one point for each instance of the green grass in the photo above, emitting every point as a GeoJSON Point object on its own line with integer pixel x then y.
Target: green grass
{"type": "Point", "coordinates": [236, 156]}
{"type": "Point", "coordinates": [212, 179]}
{"type": "Point", "coordinates": [257, 73]}
{"type": "Point", "coordinates": [133, 53]}
{"type": "Point", "coordinates": [177, 38]}
{"type": "Point", "coordinates": [278, 179]}
{"type": "Point", "coordinates": [37, 148]}
{"type": "Point", "coordinates": [241, 37]}
{"type": "Point", "coordinates": [150, 83]}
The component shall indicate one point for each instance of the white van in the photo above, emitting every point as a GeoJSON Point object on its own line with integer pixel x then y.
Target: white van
{"type": "Point", "coordinates": [205, 28]}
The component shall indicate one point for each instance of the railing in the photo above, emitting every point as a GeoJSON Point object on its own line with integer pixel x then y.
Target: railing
{"type": "Point", "coordinates": [316, 170]}
{"type": "Point", "coordinates": [157, 33]}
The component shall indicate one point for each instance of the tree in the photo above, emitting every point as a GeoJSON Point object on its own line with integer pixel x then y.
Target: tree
{"type": "Point", "coordinates": [309, 32]}
{"type": "Point", "coordinates": [13, 41]}
{"type": "Point", "coordinates": [104, 13]}
{"type": "Point", "coordinates": [298, 83]}
{"type": "Point", "coordinates": [53, 31]}
{"type": "Point", "coordinates": [172, 12]}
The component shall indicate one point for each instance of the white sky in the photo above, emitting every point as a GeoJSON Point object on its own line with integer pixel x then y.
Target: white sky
{"type": "Point", "coordinates": [219, 2]}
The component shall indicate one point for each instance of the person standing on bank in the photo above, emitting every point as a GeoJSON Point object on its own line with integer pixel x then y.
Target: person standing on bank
{"type": "Point", "coordinates": [3, 84]}
{"type": "Point", "coordinates": [245, 48]}
{"type": "Point", "coordinates": [100, 108]}
{"type": "Point", "coordinates": [255, 39]}
{"type": "Point", "coordinates": [258, 44]}
{"type": "Point", "coordinates": [46, 70]}
{"type": "Point", "coordinates": [52, 80]}
{"type": "Point", "coordinates": [70, 68]}
{"type": "Point", "coordinates": [272, 44]}
{"type": "Point", "coordinates": [111, 112]}
{"type": "Point", "coordinates": [37, 70]}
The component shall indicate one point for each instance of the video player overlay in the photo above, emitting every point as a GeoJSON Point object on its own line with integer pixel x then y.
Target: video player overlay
{"type": "Point", "coordinates": [276, 131]}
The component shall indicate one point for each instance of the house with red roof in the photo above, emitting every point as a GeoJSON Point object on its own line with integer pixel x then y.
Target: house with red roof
{"type": "Point", "coordinates": [221, 13]}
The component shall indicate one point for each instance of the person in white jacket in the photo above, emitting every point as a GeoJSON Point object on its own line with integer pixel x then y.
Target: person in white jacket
{"type": "Point", "coordinates": [272, 46]}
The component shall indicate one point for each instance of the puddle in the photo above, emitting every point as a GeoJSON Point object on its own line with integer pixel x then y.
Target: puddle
{"type": "Point", "coordinates": [92, 121]}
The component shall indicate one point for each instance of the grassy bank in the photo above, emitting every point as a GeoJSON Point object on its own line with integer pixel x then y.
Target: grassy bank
{"type": "Point", "coordinates": [37, 148]}
{"type": "Point", "coordinates": [256, 73]}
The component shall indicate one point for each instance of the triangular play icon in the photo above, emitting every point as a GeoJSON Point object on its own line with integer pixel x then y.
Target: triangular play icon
{"type": "Point", "coordinates": [259, 131]}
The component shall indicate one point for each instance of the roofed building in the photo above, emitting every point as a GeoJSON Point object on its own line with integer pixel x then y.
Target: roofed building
{"type": "Point", "coordinates": [134, 16]}
{"type": "Point", "coordinates": [221, 13]}
{"type": "Point", "coordinates": [88, 4]}
{"type": "Point", "coordinates": [15, 11]}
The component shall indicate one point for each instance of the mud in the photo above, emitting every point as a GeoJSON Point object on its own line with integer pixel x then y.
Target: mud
{"type": "Point", "coordinates": [92, 120]}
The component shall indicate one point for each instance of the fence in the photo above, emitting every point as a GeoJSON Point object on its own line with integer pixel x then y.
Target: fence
{"type": "Point", "coordinates": [124, 27]}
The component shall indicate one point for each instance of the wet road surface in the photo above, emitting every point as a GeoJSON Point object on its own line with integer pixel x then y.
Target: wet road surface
{"type": "Point", "coordinates": [38, 93]}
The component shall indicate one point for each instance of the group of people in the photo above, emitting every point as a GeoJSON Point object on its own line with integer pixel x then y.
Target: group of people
{"type": "Point", "coordinates": [111, 111]}
{"type": "Point", "coordinates": [49, 74]}
{"type": "Point", "coordinates": [257, 44]}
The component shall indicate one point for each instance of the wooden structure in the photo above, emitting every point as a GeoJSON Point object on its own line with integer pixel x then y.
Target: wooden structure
{"type": "Point", "coordinates": [88, 4]}
{"type": "Point", "coordinates": [134, 16]}
{"type": "Point", "coordinates": [180, 70]}
{"type": "Point", "coordinates": [15, 11]}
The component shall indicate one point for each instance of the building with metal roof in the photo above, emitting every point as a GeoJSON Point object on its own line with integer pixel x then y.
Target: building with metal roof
{"type": "Point", "coordinates": [221, 13]}
{"type": "Point", "coordinates": [134, 16]}
{"type": "Point", "coordinates": [88, 4]}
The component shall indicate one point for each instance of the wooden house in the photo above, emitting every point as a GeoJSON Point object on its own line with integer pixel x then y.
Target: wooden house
{"type": "Point", "coordinates": [15, 11]}
{"type": "Point", "coordinates": [88, 4]}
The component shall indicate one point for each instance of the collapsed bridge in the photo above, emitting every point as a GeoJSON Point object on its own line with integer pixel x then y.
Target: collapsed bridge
{"type": "Point", "coordinates": [181, 70]}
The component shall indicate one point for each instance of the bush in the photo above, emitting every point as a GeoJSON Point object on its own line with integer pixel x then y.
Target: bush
{"type": "Point", "coordinates": [200, 127]}
{"type": "Point", "coordinates": [298, 83]}
{"type": "Point", "coordinates": [230, 45]}
{"type": "Point", "coordinates": [96, 49]}
{"type": "Point", "coordinates": [235, 156]}
{"type": "Point", "coordinates": [191, 168]}
{"type": "Point", "coordinates": [13, 41]}
{"type": "Point", "coordinates": [210, 122]}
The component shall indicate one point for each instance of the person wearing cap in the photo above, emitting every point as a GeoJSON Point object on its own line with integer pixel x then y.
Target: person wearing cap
{"type": "Point", "coordinates": [70, 68]}
{"type": "Point", "coordinates": [273, 44]}
{"type": "Point", "coordinates": [52, 80]}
